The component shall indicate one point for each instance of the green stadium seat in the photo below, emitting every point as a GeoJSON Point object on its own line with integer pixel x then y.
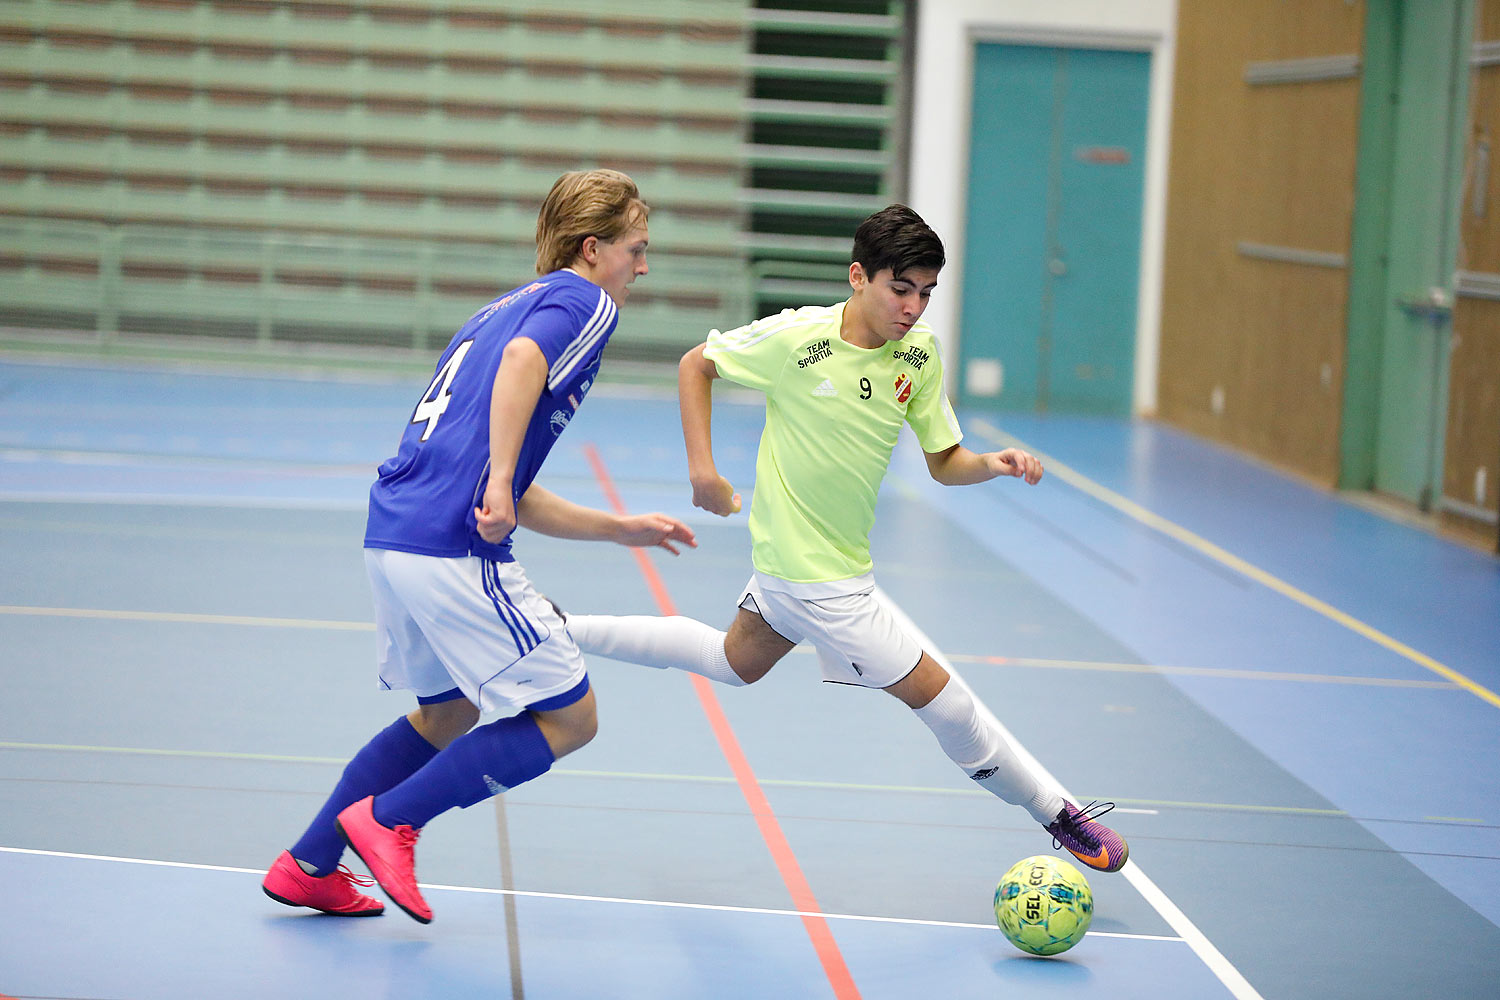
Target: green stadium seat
{"type": "Point", "coordinates": [259, 169]}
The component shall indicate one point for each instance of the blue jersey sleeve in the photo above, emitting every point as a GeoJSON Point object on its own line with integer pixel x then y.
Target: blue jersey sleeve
{"type": "Point", "coordinates": [570, 331]}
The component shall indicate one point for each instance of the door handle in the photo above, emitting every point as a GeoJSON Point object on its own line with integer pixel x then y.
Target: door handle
{"type": "Point", "coordinates": [1435, 304]}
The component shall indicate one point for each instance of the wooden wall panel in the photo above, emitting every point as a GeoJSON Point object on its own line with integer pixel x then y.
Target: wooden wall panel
{"type": "Point", "coordinates": [1474, 409]}
{"type": "Point", "coordinates": [1288, 382]}
{"type": "Point", "coordinates": [1481, 235]}
{"type": "Point", "coordinates": [1471, 458]}
{"type": "Point", "coordinates": [1268, 164]}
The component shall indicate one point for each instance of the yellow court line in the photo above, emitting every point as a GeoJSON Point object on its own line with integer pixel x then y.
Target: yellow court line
{"type": "Point", "coordinates": [1247, 675]}
{"type": "Point", "coordinates": [186, 618]}
{"type": "Point", "coordinates": [1152, 520]}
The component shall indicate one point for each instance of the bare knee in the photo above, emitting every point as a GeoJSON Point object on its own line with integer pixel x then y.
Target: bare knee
{"type": "Point", "coordinates": [748, 665]}
{"type": "Point", "coordinates": [925, 682]}
{"type": "Point", "coordinates": [583, 731]}
{"type": "Point", "coordinates": [443, 722]}
{"type": "Point", "coordinates": [571, 727]}
{"type": "Point", "coordinates": [753, 647]}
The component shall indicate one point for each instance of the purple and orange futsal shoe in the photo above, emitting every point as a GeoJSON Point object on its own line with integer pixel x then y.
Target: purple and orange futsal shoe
{"type": "Point", "coordinates": [390, 854]}
{"type": "Point", "coordinates": [287, 883]}
{"type": "Point", "coordinates": [1091, 842]}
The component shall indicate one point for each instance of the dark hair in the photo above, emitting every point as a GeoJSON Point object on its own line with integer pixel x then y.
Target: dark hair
{"type": "Point", "coordinates": [896, 237]}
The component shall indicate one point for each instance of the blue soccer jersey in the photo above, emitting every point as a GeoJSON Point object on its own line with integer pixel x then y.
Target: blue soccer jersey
{"type": "Point", "coordinates": [424, 498]}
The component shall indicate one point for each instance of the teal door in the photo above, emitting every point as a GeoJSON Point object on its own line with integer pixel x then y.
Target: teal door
{"type": "Point", "coordinates": [1052, 261]}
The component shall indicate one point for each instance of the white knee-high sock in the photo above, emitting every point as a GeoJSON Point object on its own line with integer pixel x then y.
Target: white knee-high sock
{"type": "Point", "coordinates": [683, 643]}
{"type": "Point", "coordinates": [974, 744]}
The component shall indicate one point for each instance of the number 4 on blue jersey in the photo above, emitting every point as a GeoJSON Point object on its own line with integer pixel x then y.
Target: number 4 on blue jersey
{"type": "Point", "coordinates": [435, 400]}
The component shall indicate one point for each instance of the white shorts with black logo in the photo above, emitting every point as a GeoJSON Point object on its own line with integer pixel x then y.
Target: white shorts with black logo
{"type": "Point", "coordinates": [858, 640]}
{"type": "Point", "coordinates": [469, 623]}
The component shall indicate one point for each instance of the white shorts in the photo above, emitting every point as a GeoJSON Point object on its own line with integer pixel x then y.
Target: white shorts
{"type": "Point", "coordinates": [469, 623]}
{"type": "Point", "coordinates": [858, 640]}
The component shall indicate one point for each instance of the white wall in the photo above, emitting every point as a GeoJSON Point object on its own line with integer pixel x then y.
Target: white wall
{"type": "Point", "coordinates": [946, 33]}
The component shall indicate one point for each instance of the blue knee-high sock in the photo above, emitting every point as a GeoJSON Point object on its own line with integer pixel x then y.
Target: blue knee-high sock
{"type": "Point", "coordinates": [472, 768]}
{"type": "Point", "coordinates": [395, 753]}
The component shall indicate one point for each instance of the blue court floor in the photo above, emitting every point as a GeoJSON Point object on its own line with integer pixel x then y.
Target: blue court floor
{"type": "Point", "coordinates": [1291, 699]}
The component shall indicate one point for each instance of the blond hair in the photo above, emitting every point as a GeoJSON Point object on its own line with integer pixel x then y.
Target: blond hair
{"type": "Point", "coordinates": [583, 203]}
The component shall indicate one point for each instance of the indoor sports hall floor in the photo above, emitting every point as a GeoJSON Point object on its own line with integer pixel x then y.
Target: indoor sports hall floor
{"type": "Point", "coordinates": [1291, 699]}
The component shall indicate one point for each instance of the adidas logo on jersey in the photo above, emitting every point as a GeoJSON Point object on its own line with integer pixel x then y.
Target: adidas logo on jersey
{"type": "Point", "coordinates": [825, 388]}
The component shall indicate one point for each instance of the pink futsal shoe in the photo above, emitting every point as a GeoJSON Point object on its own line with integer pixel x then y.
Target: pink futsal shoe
{"type": "Point", "coordinates": [1091, 842]}
{"type": "Point", "coordinates": [389, 854]}
{"type": "Point", "coordinates": [287, 883]}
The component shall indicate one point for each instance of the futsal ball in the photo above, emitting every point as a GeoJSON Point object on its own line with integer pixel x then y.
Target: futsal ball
{"type": "Point", "coordinates": [1044, 905]}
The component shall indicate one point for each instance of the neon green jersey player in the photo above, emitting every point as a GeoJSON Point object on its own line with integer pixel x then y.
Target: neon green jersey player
{"type": "Point", "coordinates": [834, 408]}
{"type": "Point", "coordinates": [839, 382]}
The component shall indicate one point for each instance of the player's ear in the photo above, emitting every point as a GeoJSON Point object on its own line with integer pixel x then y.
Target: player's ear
{"type": "Point", "coordinates": [857, 277]}
{"type": "Point", "coordinates": [589, 249]}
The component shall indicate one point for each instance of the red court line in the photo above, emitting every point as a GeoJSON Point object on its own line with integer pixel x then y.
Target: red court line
{"type": "Point", "coordinates": [760, 807]}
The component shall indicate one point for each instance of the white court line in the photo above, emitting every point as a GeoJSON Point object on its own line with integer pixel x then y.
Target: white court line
{"type": "Point", "coordinates": [1227, 974]}
{"type": "Point", "coordinates": [189, 500]}
{"type": "Point", "coordinates": [579, 898]}
{"type": "Point", "coordinates": [186, 618]}
{"type": "Point", "coordinates": [253, 463]}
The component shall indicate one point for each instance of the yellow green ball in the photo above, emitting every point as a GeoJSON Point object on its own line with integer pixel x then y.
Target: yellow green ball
{"type": "Point", "coordinates": [1044, 905]}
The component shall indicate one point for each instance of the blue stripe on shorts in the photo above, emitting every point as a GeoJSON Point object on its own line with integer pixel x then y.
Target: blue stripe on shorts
{"type": "Point", "coordinates": [563, 700]}
{"type": "Point", "coordinates": [535, 638]}
{"type": "Point", "coordinates": [506, 611]}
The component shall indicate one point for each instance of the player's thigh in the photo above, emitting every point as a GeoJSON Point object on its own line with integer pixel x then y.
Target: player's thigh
{"type": "Point", "coordinates": [754, 647]}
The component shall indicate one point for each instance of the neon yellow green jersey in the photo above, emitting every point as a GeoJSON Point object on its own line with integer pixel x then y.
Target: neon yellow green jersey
{"type": "Point", "coordinates": [833, 413]}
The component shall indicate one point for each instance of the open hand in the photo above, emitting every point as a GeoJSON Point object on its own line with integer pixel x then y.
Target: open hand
{"type": "Point", "coordinates": [647, 530]}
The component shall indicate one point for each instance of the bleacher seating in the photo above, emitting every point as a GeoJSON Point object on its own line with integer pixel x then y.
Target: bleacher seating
{"type": "Point", "coordinates": [360, 172]}
{"type": "Point", "coordinates": [260, 168]}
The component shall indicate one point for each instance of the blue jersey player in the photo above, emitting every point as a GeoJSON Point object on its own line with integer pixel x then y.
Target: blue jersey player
{"type": "Point", "coordinates": [457, 622]}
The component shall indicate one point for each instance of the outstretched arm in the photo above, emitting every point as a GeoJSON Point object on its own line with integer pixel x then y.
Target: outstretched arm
{"type": "Point", "coordinates": [958, 466]}
{"type": "Point", "coordinates": [695, 382]}
{"type": "Point", "coordinates": [518, 385]}
{"type": "Point", "coordinates": [545, 512]}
